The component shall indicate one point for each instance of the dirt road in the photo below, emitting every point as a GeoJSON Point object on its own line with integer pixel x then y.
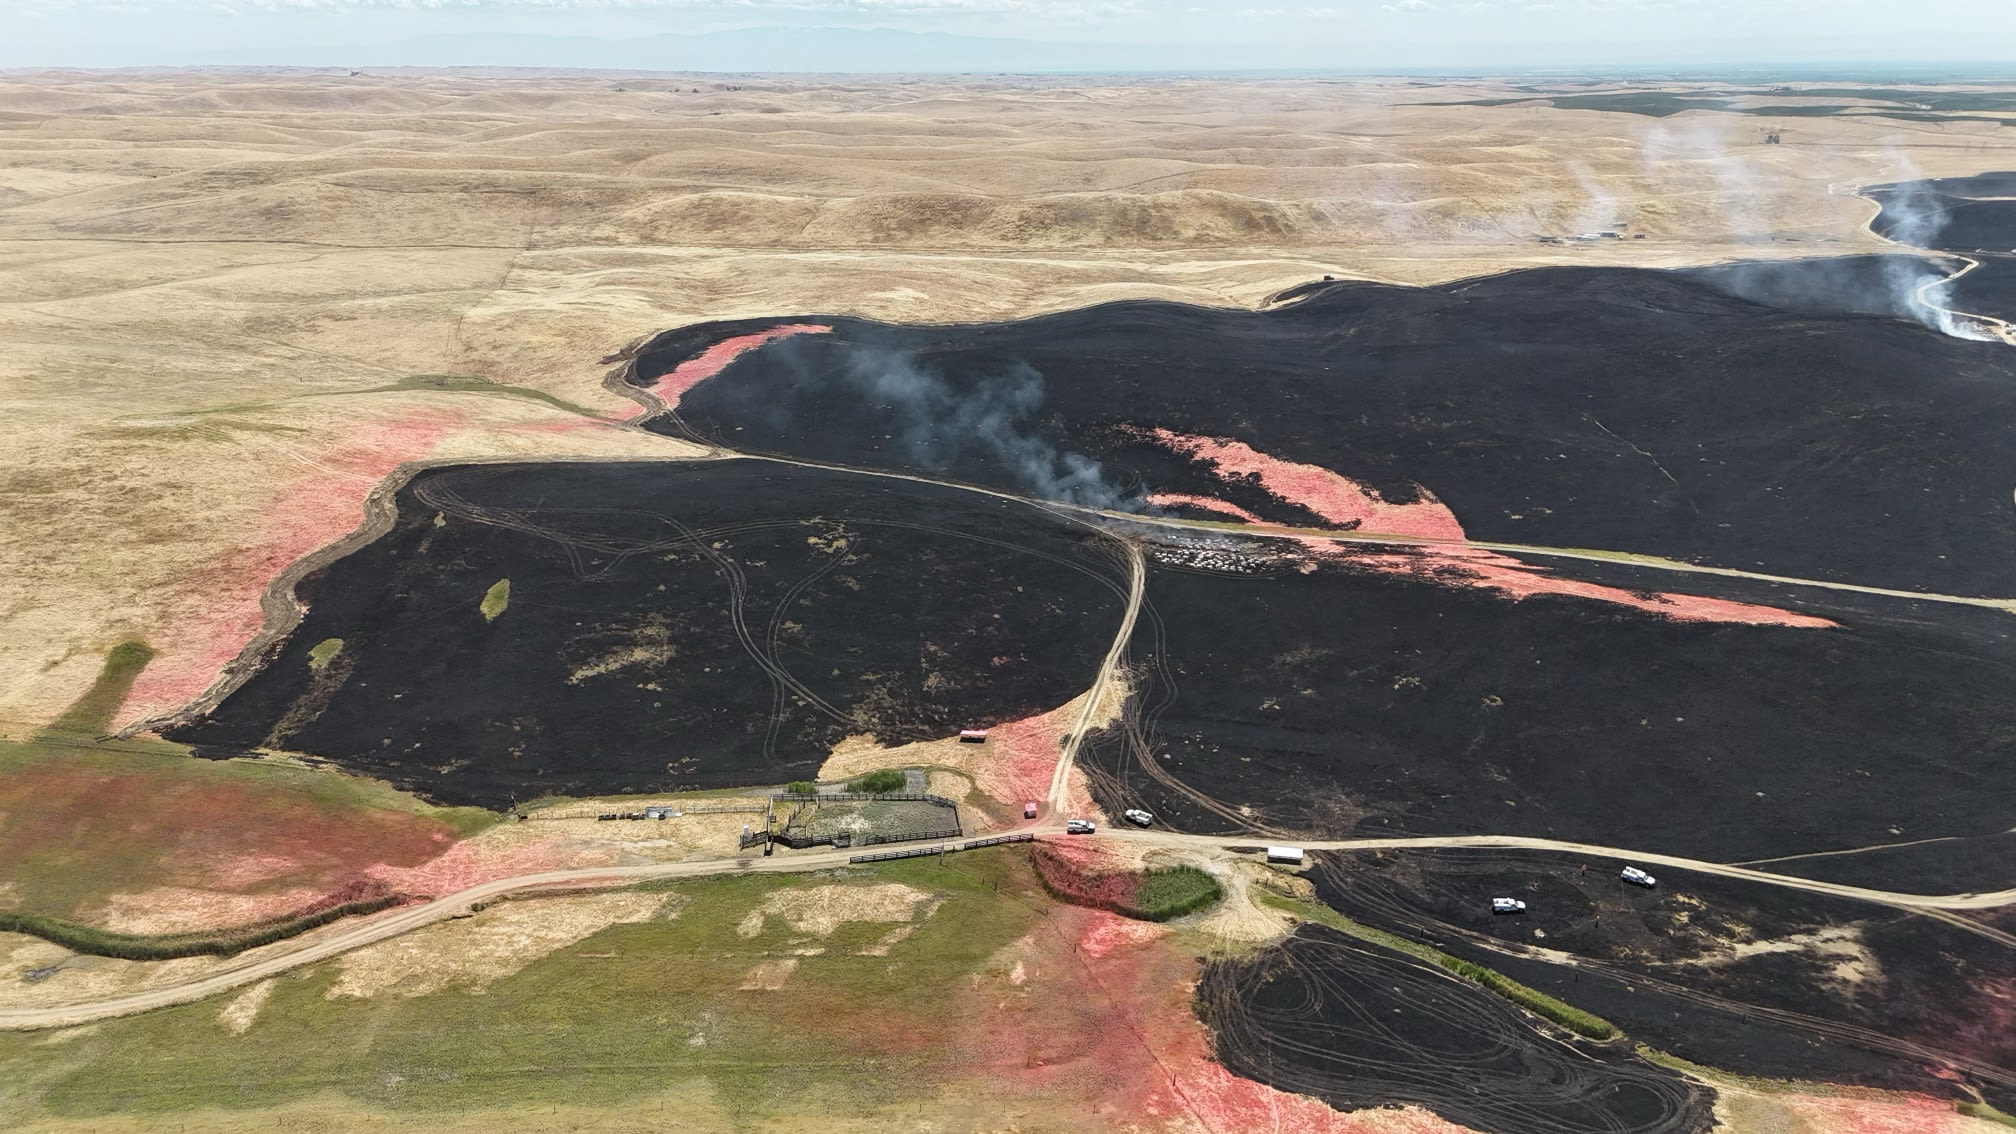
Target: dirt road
{"type": "Point", "coordinates": [1137, 587]}
{"type": "Point", "coordinates": [354, 935]}
{"type": "Point", "coordinates": [350, 935]}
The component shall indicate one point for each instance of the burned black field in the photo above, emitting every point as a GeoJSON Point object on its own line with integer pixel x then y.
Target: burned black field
{"type": "Point", "coordinates": [713, 624]}
{"type": "Point", "coordinates": [1970, 216]}
{"type": "Point", "coordinates": [1358, 1026]}
{"type": "Point", "coordinates": [531, 630]}
{"type": "Point", "coordinates": [1807, 421]}
{"type": "Point", "coordinates": [1724, 972]}
{"type": "Point", "coordinates": [1344, 703]}
{"type": "Point", "coordinates": [1635, 410]}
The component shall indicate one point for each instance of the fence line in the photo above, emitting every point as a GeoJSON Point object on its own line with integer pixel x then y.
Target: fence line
{"type": "Point", "coordinates": [860, 796]}
{"type": "Point", "coordinates": [1020, 837]}
{"type": "Point", "coordinates": [912, 852]}
{"type": "Point", "coordinates": [945, 833]}
{"type": "Point", "coordinates": [944, 848]}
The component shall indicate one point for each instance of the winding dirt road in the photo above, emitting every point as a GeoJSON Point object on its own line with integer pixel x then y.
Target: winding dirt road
{"type": "Point", "coordinates": [347, 936]}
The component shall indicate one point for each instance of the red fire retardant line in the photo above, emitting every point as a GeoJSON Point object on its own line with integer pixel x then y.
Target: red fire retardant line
{"type": "Point", "coordinates": [1352, 506]}
{"type": "Point", "coordinates": [673, 385]}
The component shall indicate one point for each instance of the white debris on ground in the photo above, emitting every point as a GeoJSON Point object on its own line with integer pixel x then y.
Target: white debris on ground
{"type": "Point", "coordinates": [1207, 553]}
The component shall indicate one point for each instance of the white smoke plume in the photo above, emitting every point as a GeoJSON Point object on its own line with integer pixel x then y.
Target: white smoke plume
{"type": "Point", "coordinates": [1913, 216]}
{"type": "Point", "coordinates": [940, 425]}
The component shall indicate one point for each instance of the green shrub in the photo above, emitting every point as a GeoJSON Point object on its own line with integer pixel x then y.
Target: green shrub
{"type": "Point", "coordinates": [801, 787]}
{"type": "Point", "coordinates": [886, 780]}
{"type": "Point", "coordinates": [215, 943]}
{"type": "Point", "coordinates": [1176, 891]}
{"type": "Point", "coordinates": [1156, 895]}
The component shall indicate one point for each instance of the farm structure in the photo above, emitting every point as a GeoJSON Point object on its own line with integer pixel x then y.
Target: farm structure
{"type": "Point", "coordinates": [850, 819]}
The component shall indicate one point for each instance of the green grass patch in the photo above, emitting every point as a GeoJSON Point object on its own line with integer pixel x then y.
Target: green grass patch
{"type": "Point", "coordinates": [1175, 891]}
{"type": "Point", "coordinates": [886, 780]}
{"type": "Point", "coordinates": [625, 1014]}
{"type": "Point", "coordinates": [323, 652]}
{"type": "Point", "coordinates": [1532, 999]}
{"type": "Point", "coordinates": [93, 712]}
{"type": "Point", "coordinates": [1986, 1113]}
{"type": "Point", "coordinates": [801, 787]}
{"type": "Point", "coordinates": [495, 600]}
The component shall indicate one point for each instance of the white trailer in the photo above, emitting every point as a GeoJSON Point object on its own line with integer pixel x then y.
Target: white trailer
{"type": "Point", "coordinates": [1285, 856]}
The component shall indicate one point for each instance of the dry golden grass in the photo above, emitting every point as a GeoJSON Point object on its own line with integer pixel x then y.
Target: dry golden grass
{"type": "Point", "coordinates": [202, 277]}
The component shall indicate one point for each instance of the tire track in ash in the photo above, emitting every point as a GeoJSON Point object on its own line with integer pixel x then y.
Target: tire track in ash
{"type": "Point", "coordinates": [1358, 1026]}
{"type": "Point", "coordinates": [785, 684]}
{"type": "Point", "coordinates": [1394, 908]}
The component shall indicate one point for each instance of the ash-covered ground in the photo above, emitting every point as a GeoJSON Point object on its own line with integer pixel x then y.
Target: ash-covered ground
{"type": "Point", "coordinates": [1654, 412]}
{"type": "Point", "coordinates": [710, 624]}
{"type": "Point", "coordinates": [1723, 972]}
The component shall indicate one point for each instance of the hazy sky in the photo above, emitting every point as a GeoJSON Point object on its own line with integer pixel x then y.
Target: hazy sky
{"type": "Point", "coordinates": [1348, 34]}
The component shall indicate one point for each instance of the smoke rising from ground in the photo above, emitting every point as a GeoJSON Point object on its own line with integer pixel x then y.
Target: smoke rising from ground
{"type": "Point", "coordinates": [942, 426]}
{"type": "Point", "coordinates": [1913, 215]}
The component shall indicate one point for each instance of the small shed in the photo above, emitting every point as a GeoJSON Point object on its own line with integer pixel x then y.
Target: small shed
{"type": "Point", "coordinates": [1286, 856]}
{"type": "Point", "coordinates": [1029, 809]}
{"type": "Point", "coordinates": [972, 736]}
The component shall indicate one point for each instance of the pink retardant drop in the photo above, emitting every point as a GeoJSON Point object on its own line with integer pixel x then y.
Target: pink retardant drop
{"type": "Point", "coordinates": [1022, 760]}
{"type": "Point", "coordinates": [1477, 567]}
{"type": "Point", "coordinates": [673, 385]}
{"type": "Point", "coordinates": [309, 512]}
{"type": "Point", "coordinates": [474, 862]}
{"type": "Point", "coordinates": [1109, 931]}
{"type": "Point", "coordinates": [1338, 499]}
{"type": "Point", "coordinates": [1207, 503]}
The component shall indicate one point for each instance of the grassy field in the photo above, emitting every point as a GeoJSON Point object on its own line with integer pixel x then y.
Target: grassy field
{"type": "Point", "coordinates": [85, 819]}
{"type": "Point", "coordinates": [632, 1011]}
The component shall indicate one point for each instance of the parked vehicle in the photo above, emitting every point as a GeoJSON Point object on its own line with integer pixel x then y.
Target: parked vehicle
{"type": "Point", "coordinates": [1507, 905]}
{"type": "Point", "coordinates": [1079, 827]}
{"type": "Point", "coordinates": [1029, 809]}
{"type": "Point", "coordinates": [1637, 877]}
{"type": "Point", "coordinates": [1285, 856]}
{"type": "Point", "coordinates": [1138, 817]}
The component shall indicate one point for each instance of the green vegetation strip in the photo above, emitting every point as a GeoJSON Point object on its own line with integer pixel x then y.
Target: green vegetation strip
{"type": "Point", "coordinates": [1532, 999]}
{"type": "Point", "coordinates": [886, 780]}
{"type": "Point", "coordinates": [93, 712]}
{"type": "Point", "coordinates": [1985, 1112]}
{"type": "Point", "coordinates": [219, 943]}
